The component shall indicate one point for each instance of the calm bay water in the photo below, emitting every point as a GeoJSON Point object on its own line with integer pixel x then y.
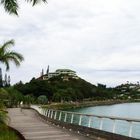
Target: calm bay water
{"type": "Point", "coordinates": [126, 110]}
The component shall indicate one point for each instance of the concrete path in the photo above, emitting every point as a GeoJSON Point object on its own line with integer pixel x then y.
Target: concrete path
{"type": "Point", "coordinates": [32, 127]}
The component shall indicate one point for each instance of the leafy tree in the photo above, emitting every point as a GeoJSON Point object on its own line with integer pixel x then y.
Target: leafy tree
{"type": "Point", "coordinates": [15, 97]}
{"type": "Point", "coordinates": [7, 56]}
{"type": "Point", "coordinates": [11, 6]}
{"type": "Point", "coordinates": [28, 99]}
{"type": "Point", "coordinates": [57, 97]}
{"type": "Point", "coordinates": [58, 90]}
{"type": "Point", "coordinates": [3, 94]}
{"type": "Point", "coordinates": [36, 88]}
{"type": "Point", "coordinates": [42, 99]}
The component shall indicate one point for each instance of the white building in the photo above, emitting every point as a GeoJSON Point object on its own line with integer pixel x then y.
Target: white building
{"type": "Point", "coordinates": [66, 74]}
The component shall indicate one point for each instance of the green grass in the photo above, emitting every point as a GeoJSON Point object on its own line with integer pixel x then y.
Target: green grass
{"type": "Point", "coordinates": [67, 106]}
{"type": "Point", "coordinates": [6, 134]}
{"type": "Point", "coordinates": [59, 106]}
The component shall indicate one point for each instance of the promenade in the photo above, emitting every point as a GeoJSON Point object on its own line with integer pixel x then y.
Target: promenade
{"type": "Point", "coordinates": [32, 127]}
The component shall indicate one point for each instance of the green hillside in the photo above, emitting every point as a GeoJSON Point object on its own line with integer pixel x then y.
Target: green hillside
{"type": "Point", "coordinates": [58, 89]}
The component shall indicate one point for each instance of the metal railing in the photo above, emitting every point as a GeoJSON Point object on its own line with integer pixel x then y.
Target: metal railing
{"type": "Point", "coordinates": [77, 118]}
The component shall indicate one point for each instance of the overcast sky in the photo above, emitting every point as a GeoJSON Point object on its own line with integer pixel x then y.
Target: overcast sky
{"type": "Point", "coordinates": [99, 39]}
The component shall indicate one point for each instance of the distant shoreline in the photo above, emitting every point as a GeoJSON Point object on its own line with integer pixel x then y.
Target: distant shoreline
{"type": "Point", "coordinates": [73, 105]}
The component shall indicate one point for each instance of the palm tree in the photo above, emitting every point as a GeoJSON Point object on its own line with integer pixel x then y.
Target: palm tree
{"type": "Point", "coordinates": [11, 6]}
{"type": "Point", "coordinates": [7, 56]}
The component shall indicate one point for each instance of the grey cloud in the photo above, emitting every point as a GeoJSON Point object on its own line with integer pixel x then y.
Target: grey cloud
{"type": "Point", "coordinates": [99, 39]}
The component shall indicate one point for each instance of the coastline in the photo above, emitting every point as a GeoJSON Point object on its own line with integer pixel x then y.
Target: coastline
{"type": "Point", "coordinates": [73, 105]}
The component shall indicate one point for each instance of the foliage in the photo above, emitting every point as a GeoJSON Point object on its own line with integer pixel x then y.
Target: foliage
{"type": "Point", "coordinates": [3, 94]}
{"type": "Point", "coordinates": [6, 134]}
{"type": "Point", "coordinates": [7, 56]}
{"type": "Point", "coordinates": [60, 106]}
{"type": "Point", "coordinates": [42, 99]}
{"type": "Point", "coordinates": [3, 116]}
{"type": "Point", "coordinates": [15, 97]}
{"type": "Point", "coordinates": [35, 88]}
{"type": "Point", "coordinates": [28, 99]}
{"type": "Point", "coordinates": [58, 90]}
{"type": "Point", "coordinates": [11, 6]}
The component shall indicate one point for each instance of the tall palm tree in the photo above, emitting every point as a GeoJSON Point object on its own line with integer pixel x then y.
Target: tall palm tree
{"type": "Point", "coordinates": [11, 6]}
{"type": "Point", "coordinates": [7, 56]}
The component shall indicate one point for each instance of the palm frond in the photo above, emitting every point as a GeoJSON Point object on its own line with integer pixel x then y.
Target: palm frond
{"type": "Point", "coordinates": [7, 65]}
{"type": "Point", "coordinates": [7, 56]}
{"type": "Point", "coordinates": [7, 44]}
{"type": "Point", "coordinates": [11, 6]}
{"type": "Point", "coordinates": [16, 55]}
{"type": "Point", "coordinates": [4, 48]}
{"type": "Point", "coordinates": [10, 58]}
{"type": "Point", "coordinates": [14, 60]}
{"type": "Point", "coordinates": [36, 1]}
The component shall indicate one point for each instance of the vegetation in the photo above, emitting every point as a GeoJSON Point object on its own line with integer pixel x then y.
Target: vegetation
{"type": "Point", "coordinates": [8, 96]}
{"type": "Point", "coordinates": [3, 116]}
{"type": "Point", "coordinates": [71, 105]}
{"type": "Point", "coordinates": [7, 56]}
{"type": "Point", "coordinates": [42, 99]}
{"type": "Point", "coordinates": [5, 132]}
{"type": "Point", "coordinates": [58, 90]}
{"type": "Point", "coordinates": [11, 6]}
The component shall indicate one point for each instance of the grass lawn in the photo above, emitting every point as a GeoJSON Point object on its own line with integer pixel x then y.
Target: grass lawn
{"type": "Point", "coordinates": [7, 134]}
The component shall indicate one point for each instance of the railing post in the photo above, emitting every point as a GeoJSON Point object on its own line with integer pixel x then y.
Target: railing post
{"type": "Point", "coordinates": [60, 115]}
{"type": "Point", "coordinates": [51, 114]}
{"type": "Point", "coordinates": [41, 111]}
{"type": "Point", "coordinates": [130, 129]}
{"type": "Point", "coordinates": [72, 118]}
{"type": "Point", "coordinates": [101, 123]}
{"type": "Point", "coordinates": [48, 113]}
{"type": "Point", "coordinates": [55, 114]}
{"type": "Point", "coordinates": [89, 122]}
{"type": "Point", "coordinates": [80, 119]}
{"type": "Point", "coordinates": [44, 112]}
{"type": "Point", "coordinates": [65, 119]}
{"type": "Point", "coordinates": [114, 126]}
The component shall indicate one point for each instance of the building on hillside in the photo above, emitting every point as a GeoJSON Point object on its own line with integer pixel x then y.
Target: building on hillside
{"type": "Point", "coordinates": [65, 74]}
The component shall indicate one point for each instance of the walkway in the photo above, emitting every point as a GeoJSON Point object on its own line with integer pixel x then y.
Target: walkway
{"type": "Point", "coordinates": [32, 127]}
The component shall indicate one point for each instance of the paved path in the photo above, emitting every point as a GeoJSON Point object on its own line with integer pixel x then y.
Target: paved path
{"type": "Point", "coordinates": [32, 127]}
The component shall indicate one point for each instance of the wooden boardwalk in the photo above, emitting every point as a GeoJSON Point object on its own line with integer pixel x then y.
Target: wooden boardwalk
{"type": "Point", "coordinates": [32, 127]}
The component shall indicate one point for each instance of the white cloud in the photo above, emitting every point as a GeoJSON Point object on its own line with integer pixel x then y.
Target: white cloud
{"type": "Point", "coordinates": [82, 35]}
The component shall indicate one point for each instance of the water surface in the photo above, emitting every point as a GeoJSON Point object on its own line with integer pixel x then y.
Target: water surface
{"type": "Point", "coordinates": [125, 110]}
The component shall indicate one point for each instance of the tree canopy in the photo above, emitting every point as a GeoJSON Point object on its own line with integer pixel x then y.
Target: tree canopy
{"type": "Point", "coordinates": [56, 89]}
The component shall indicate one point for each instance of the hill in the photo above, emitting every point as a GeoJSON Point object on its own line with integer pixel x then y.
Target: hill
{"type": "Point", "coordinates": [58, 89]}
